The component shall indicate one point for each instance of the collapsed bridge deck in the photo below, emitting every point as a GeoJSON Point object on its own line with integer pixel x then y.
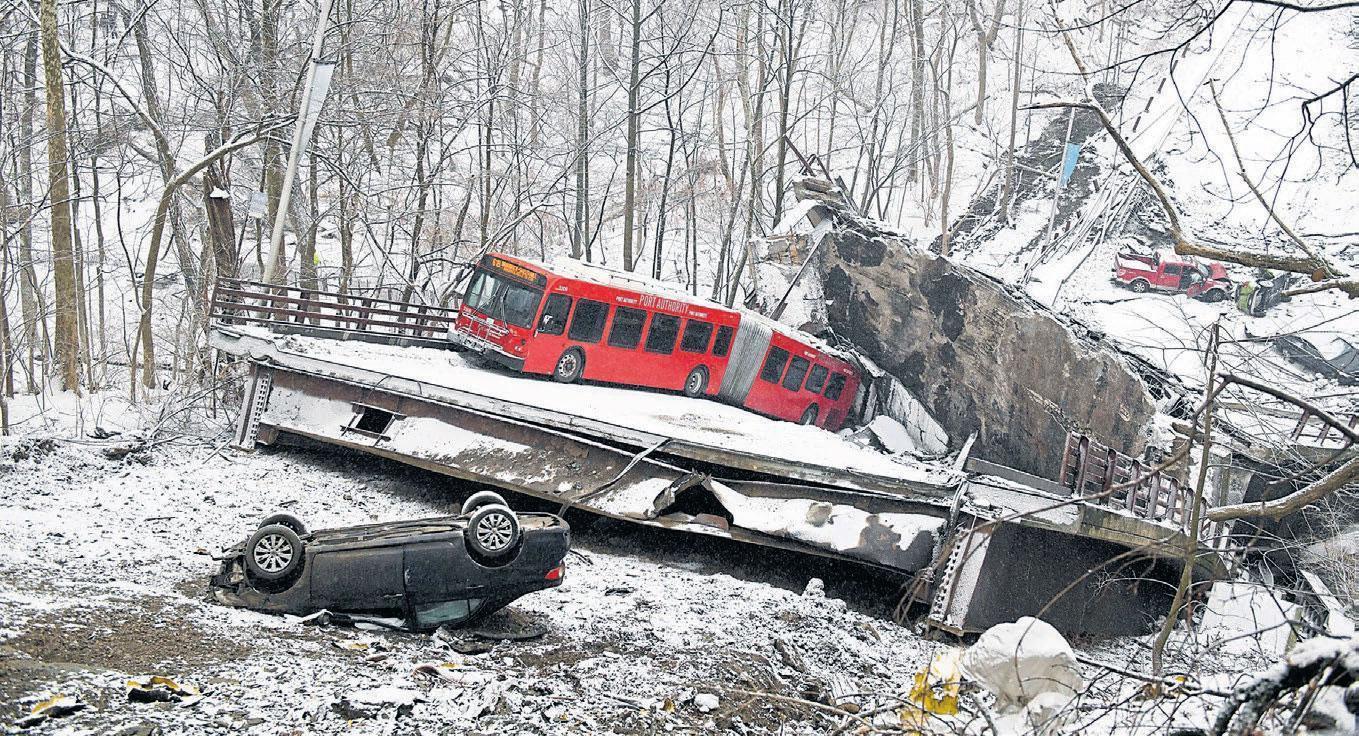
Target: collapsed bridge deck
{"type": "Point", "coordinates": [704, 467]}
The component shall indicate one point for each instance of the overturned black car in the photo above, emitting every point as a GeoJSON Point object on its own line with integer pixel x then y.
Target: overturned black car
{"type": "Point", "coordinates": [425, 573]}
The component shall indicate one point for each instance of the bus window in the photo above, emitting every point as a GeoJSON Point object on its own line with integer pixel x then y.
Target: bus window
{"type": "Point", "coordinates": [479, 292]}
{"type": "Point", "coordinates": [626, 331]}
{"type": "Point", "coordinates": [837, 384]}
{"type": "Point", "coordinates": [553, 321]}
{"type": "Point", "coordinates": [792, 380]}
{"type": "Point", "coordinates": [587, 325]}
{"type": "Point", "coordinates": [696, 336]}
{"type": "Point", "coordinates": [723, 342]}
{"type": "Point", "coordinates": [661, 337]}
{"type": "Point", "coordinates": [773, 365]}
{"type": "Point", "coordinates": [817, 380]}
{"type": "Point", "coordinates": [500, 298]}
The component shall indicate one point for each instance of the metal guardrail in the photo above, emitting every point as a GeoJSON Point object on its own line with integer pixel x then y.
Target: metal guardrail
{"type": "Point", "coordinates": [1112, 479]}
{"type": "Point", "coordinates": [294, 309]}
{"type": "Point", "coordinates": [1320, 434]}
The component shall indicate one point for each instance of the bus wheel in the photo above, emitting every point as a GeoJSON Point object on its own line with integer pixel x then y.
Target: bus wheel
{"type": "Point", "coordinates": [809, 416]}
{"type": "Point", "coordinates": [696, 384]}
{"type": "Point", "coordinates": [569, 367]}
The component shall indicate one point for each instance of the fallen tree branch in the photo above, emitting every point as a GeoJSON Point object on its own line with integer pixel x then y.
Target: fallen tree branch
{"type": "Point", "coordinates": [1349, 286]}
{"type": "Point", "coordinates": [1281, 507]}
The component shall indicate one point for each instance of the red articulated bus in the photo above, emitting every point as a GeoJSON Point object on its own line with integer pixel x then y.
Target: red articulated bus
{"type": "Point", "coordinates": [574, 322]}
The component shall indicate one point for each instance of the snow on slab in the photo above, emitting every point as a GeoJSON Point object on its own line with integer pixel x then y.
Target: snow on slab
{"type": "Point", "coordinates": [696, 421]}
{"type": "Point", "coordinates": [840, 527]}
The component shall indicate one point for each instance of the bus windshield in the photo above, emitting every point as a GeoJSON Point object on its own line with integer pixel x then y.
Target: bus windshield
{"type": "Point", "coordinates": [500, 298]}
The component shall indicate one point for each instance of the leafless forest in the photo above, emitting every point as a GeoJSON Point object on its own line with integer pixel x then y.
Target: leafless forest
{"type": "Point", "coordinates": [652, 136]}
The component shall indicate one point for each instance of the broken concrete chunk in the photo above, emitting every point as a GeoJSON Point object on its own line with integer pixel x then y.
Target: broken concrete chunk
{"type": "Point", "coordinates": [891, 434]}
{"type": "Point", "coordinates": [819, 513]}
{"type": "Point", "coordinates": [386, 695]}
{"type": "Point", "coordinates": [1246, 618]}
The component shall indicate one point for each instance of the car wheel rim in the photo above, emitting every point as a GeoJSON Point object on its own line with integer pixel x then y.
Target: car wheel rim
{"type": "Point", "coordinates": [494, 532]}
{"type": "Point", "coordinates": [273, 553]}
{"type": "Point", "coordinates": [695, 382]}
{"type": "Point", "coordinates": [566, 366]}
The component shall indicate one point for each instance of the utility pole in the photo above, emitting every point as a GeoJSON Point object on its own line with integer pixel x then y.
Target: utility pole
{"type": "Point", "coordinates": [274, 270]}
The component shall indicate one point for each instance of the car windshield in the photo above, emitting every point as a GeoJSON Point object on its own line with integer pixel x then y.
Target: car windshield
{"type": "Point", "coordinates": [499, 298]}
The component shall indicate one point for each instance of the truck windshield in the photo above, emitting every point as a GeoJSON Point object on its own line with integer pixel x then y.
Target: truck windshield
{"type": "Point", "coordinates": [500, 298]}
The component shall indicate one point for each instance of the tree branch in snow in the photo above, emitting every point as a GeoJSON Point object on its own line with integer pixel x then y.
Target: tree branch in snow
{"type": "Point", "coordinates": [1327, 271]}
{"type": "Point", "coordinates": [1316, 663]}
{"type": "Point", "coordinates": [1313, 267]}
{"type": "Point", "coordinates": [1307, 495]}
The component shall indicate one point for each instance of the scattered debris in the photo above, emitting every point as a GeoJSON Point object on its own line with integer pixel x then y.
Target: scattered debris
{"type": "Point", "coordinates": [159, 689]}
{"type": "Point", "coordinates": [56, 706]}
{"type": "Point", "coordinates": [935, 692]}
{"type": "Point", "coordinates": [1334, 357]}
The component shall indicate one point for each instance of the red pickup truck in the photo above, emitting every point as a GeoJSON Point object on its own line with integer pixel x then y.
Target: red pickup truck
{"type": "Point", "coordinates": [1174, 274]}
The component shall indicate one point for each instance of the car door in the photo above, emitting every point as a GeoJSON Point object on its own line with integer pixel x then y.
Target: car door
{"type": "Point", "coordinates": [439, 569]}
{"type": "Point", "coordinates": [358, 579]}
{"type": "Point", "coordinates": [1169, 278]}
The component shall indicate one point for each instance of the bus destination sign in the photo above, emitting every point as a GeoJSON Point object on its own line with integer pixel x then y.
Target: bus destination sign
{"type": "Point", "coordinates": [515, 270]}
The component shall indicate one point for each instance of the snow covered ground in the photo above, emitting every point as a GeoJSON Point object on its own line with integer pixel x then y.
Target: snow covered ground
{"type": "Point", "coordinates": [104, 571]}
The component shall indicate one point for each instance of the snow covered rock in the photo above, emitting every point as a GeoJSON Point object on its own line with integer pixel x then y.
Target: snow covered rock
{"type": "Point", "coordinates": [816, 588]}
{"type": "Point", "coordinates": [706, 702]}
{"type": "Point", "coordinates": [1031, 670]}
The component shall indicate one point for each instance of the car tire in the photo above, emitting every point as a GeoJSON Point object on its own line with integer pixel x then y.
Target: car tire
{"type": "Point", "coordinates": [479, 499]}
{"type": "Point", "coordinates": [1215, 295]}
{"type": "Point", "coordinates": [1140, 286]}
{"type": "Point", "coordinates": [492, 532]}
{"type": "Point", "coordinates": [288, 520]}
{"type": "Point", "coordinates": [273, 553]}
{"type": "Point", "coordinates": [696, 383]}
{"type": "Point", "coordinates": [810, 414]}
{"type": "Point", "coordinates": [570, 366]}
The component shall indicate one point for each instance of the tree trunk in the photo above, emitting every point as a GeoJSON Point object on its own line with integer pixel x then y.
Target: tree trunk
{"type": "Point", "coordinates": [180, 238]}
{"type": "Point", "coordinates": [634, 119]}
{"type": "Point", "coordinates": [270, 10]}
{"type": "Point", "coordinates": [580, 241]}
{"type": "Point", "coordinates": [67, 334]}
{"type": "Point", "coordinates": [221, 221]}
{"type": "Point", "coordinates": [791, 45]}
{"type": "Point", "coordinates": [31, 307]}
{"type": "Point", "coordinates": [656, 254]}
{"type": "Point", "coordinates": [1007, 189]}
